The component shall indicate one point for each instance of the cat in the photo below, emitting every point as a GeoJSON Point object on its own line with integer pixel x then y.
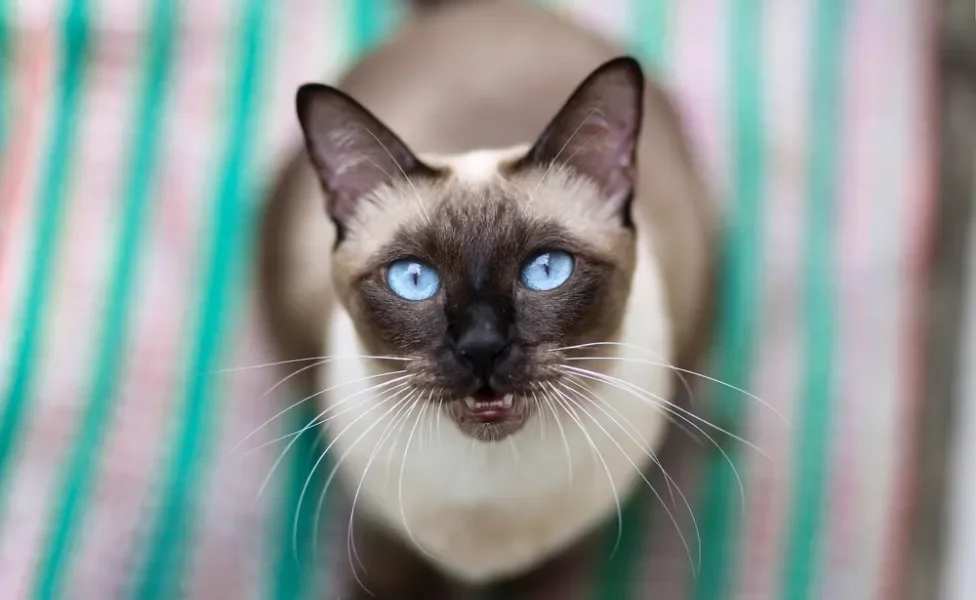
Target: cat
{"type": "Point", "coordinates": [495, 220]}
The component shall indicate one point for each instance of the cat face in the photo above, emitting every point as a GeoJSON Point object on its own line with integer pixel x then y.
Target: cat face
{"type": "Point", "coordinates": [483, 270]}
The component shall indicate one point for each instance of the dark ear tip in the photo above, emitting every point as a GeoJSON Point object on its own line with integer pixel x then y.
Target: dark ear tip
{"type": "Point", "coordinates": [307, 93]}
{"type": "Point", "coordinates": [627, 65]}
{"type": "Point", "coordinates": [303, 96]}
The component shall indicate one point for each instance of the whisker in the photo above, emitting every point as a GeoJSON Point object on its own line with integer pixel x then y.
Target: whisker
{"type": "Point", "coordinates": [393, 446]}
{"type": "Point", "coordinates": [286, 378]}
{"type": "Point", "coordinates": [403, 514]}
{"type": "Point", "coordinates": [316, 421]}
{"type": "Point", "coordinates": [692, 398]}
{"type": "Point", "coordinates": [673, 368]}
{"type": "Point", "coordinates": [430, 422]}
{"type": "Point", "coordinates": [384, 436]}
{"type": "Point", "coordinates": [515, 452]}
{"type": "Point", "coordinates": [672, 409]}
{"type": "Point", "coordinates": [306, 359]}
{"type": "Point", "coordinates": [296, 436]}
{"type": "Point", "coordinates": [613, 488]}
{"type": "Point", "coordinates": [543, 416]}
{"type": "Point", "coordinates": [587, 395]}
{"type": "Point", "coordinates": [671, 418]}
{"type": "Point", "coordinates": [437, 425]}
{"type": "Point", "coordinates": [671, 483]}
{"type": "Point", "coordinates": [661, 403]}
{"type": "Point", "coordinates": [306, 399]}
{"type": "Point", "coordinates": [562, 433]}
{"type": "Point", "coordinates": [332, 442]}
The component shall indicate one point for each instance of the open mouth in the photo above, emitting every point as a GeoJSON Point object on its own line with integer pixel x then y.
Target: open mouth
{"type": "Point", "coordinates": [487, 406]}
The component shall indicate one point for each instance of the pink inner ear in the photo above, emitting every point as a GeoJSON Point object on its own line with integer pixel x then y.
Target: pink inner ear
{"type": "Point", "coordinates": [596, 131]}
{"type": "Point", "coordinates": [353, 152]}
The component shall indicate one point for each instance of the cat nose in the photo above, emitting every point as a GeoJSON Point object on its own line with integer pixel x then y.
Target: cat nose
{"type": "Point", "coordinates": [481, 346]}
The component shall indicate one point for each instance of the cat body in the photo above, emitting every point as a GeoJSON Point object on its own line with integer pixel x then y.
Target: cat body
{"type": "Point", "coordinates": [500, 432]}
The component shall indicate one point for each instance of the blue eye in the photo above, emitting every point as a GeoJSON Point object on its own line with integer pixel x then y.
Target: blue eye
{"type": "Point", "coordinates": [412, 280]}
{"type": "Point", "coordinates": [547, 270]}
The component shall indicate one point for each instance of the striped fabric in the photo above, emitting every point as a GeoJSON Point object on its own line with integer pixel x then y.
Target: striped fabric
{"type": "Point", "coordinates": [136, 140]}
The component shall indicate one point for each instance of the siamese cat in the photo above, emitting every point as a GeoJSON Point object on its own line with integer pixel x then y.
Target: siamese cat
{"type": "Point", "coordinates": [498, 244]}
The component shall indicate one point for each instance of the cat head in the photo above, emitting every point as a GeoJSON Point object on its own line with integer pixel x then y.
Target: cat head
{"type": "Point", "coordinates": [483, 270]}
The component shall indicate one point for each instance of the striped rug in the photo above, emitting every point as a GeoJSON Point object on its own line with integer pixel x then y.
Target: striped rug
{"type": "Point", "coordinates": [137, 139]}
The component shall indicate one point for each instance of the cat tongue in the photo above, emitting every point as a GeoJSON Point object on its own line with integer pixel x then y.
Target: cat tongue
{"type": "Point", "coordinates": [486, 396]}
{"type": "Point", "coordinates": [489, 406]}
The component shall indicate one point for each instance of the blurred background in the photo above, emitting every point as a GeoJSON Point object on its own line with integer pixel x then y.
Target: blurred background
{"type": "Point", "coordinates": [138, 139]}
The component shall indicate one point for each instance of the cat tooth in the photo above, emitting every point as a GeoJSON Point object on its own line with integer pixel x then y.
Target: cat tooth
{"type": "Point", "coordinates": [508, 400]}
{"type": "Point", "coordinates": [470, 402]}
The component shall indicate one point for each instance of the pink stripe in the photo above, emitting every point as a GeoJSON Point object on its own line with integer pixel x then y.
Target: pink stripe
{"type": "Point", "coordinates": [151, 393]}
{"type": "Point", "coordinates": [699, 84]}
{"type": "Point", "coordinates": [31, 66]}
{"type": "Point", "coordinates": [786, 93]}
{"type": "Point", "coordinates": [876, 221]}
{"type": "Point", "coordinates": [234, 544]}
{"type": "Point", "coordinates": [893, 583]}
{"type": "Point", "coordinates": [25, 137]}
{"type": "Point", "coordinates": [70, 335]}
{"type": "Point", "coordinates": [235, 547]}
{"type": "Point", "coordinates": [857, 203]}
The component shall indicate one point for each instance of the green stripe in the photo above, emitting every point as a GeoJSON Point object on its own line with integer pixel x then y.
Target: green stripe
{"type": "Point", "coordinates": [651, 17]}
{"type": "Point", "coordinates": [161, 574]}
{"type": "Point", "coordinates": [810, 472]}
{"type": "Point", "coordinates": [738, 324]}
{"type": "Point", "coordinates": [291, 577]}
{"type": "Point", "coordinates": [294, 576]}
{"type": "Point", "coordinates": [41, 272]}
{"type": "Point", "coordinates": [80, 472]}
{"type": "Point", "coordinates": [369, 22]}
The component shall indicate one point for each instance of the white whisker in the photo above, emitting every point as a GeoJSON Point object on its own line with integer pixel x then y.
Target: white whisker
{"type": "Point", "coordinates": [515, 452]}
{"type": "Point", "coordinates": [306, 399]}
{"type": "Point", "coordinates": [676, 410]}
{"type": "Point", "coordinates": [613, 488]}
{"type": "Point", "coordinates": [437, 425]}
{"type": "Point", "coordinates": [403, 513]}
{"type": "Point", "coordinates": [335, 468]}
{"type": "Point", "coordinates": [665, 365]}
{"type": "Point", "coordinates": [306, 359]}
{"type": "Point", "coordinates": [644, 446]}
{"type": "Point", "coordinates": [316, 421]}
{"type": "Point", "coordinates": [562, 433]}
{"type": "Point", "coordinates": [387, 431]}
{"type": "Point", "coordinates": [673, 409]}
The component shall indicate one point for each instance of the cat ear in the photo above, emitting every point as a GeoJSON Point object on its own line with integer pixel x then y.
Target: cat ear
{"type": "Point", "coordinates": [352, 151]}
{"type": "Point", "coordinates": [596, 131]}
